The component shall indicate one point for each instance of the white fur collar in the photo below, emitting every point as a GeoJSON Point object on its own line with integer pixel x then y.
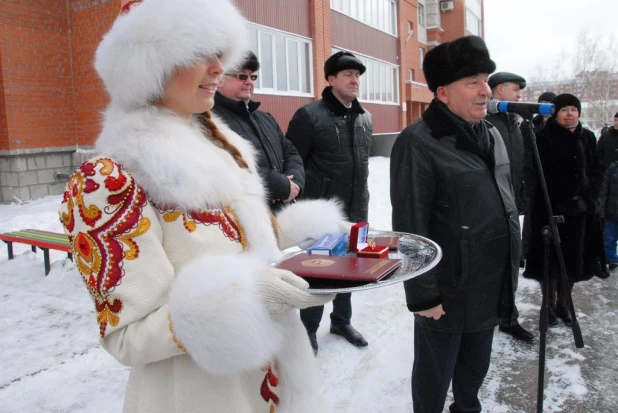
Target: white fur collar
{"type": "Point", "coordinates": [179, 167]}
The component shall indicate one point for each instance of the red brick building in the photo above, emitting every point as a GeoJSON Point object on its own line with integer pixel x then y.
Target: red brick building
{"type": "Point", "coordinates": [51, 98]}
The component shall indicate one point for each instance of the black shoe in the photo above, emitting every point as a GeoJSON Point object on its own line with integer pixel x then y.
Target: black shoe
{"type": "Point", "coordinates": [313, 340]}
{"type": "Point", "coordinates": [552, 320]}
{"type": "Point", "coordinates": [519, 333]}
{"type": "Point", "coordinates": [564, 315]}
{"type": "Point", "coordinates": [613, 265]}
{"type": "Point", "coordinates": [350, 334]}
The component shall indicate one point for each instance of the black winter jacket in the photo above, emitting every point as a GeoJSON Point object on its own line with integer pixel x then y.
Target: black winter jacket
{"type": "Point", "coordinates": [508, 126]}
{"type": "Point", "coordinates": [278, 156]}
{"type": "Point", "coordinates": [607, 147]}
{"type": "Point", "coordinates": [609, 193]}
{"type": "Point", "coordinates": [573, 176]}
{"type": "Point", "coordinates": [334, 143]}
{"type": "Point", "coordinates": [445, 188]}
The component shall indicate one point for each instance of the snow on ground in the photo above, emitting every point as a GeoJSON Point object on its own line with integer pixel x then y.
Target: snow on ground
{"type": "Point", "coordinates": [51, 360]}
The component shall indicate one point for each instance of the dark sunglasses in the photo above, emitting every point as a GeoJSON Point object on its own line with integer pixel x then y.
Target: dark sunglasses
{"type": "Point", "coordinates": [243, 77]}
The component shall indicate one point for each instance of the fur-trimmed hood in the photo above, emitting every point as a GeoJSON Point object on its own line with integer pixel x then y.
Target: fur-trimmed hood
{"type": "Point", "coordinates": [179, 167]}
{"type": "Point", "coordinates": [173, 160]}
{"type": "Point", "coordinates": [145, 45]}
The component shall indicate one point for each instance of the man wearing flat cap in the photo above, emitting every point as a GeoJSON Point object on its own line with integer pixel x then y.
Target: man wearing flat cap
{"type": "Point", "coordinates": [507, 86]}
{"type": "Point", "coordinates": [333, 136]}
{"type": "Point", "coordinates": [451, 182]}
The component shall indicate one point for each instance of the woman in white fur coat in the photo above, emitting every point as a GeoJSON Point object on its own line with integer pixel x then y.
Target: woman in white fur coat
{"type": "Point", "coordinates": [171, 232]}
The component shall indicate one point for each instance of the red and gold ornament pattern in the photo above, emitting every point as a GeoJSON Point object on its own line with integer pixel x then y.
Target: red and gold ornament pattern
{"type": "Point", "coordinates": [108, 238]}
{"type": "Point", "coordinates": [222, 217]}
{"type": "Point", "coordinates": [269, 385]}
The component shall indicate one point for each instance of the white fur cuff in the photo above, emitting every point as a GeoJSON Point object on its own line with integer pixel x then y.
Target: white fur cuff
{"type": "Point", "coordinates": [218, 316]}
{"type": "Point", "coordinates": [308, 219]}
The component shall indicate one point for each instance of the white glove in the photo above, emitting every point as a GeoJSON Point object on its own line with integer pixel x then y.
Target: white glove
{"type": "Point", "coordinates": [282, 291]}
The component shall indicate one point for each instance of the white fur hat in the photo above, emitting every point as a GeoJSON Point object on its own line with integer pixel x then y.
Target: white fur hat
{"type": "Point", "coordinates": [154, 37]}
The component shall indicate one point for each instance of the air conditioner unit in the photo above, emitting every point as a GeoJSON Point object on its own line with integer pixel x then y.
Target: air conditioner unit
{"type": "Point", "coordinates": [447, 6]}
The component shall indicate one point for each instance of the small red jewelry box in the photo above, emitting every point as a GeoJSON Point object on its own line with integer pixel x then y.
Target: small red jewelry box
{"type": "Point", "coordinates": [363, 248]}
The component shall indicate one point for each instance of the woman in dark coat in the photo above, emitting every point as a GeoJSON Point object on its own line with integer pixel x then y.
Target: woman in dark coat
{"type": "Point", "coordinates": [573, 176]}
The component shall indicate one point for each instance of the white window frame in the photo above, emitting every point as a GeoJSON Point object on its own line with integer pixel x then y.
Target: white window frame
{"type": "Point", "coordinates": [422, 18]}
{"type": "Point", "coordinates": [378, 73]}
{"type": "Point", "coordinates": [301, 42]}
{"type": "Point", "coordinates": [379, 14]}
{"type": "Point", "coordinates": [473, 22]}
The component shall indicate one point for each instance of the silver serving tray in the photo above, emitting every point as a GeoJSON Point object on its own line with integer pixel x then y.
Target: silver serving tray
{"type": "Point", "coordinates": [418, 255]}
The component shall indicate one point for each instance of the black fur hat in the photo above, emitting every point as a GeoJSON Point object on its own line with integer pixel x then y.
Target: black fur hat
{"type": "Point", "coordinates": [251, 62]}
{"type": "Point", "coordinates": [341, 61]}
{"type": "Point", "coordinates": [451, 61]}
{"type": "Point", "coordinates": [566, 99]}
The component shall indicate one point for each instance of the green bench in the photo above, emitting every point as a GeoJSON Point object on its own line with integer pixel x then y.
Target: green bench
{"type": "Point", "coordinates": [44, 240]}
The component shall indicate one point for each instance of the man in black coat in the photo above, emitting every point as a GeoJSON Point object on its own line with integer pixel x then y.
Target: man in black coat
{"type": "Point", "coordinates": [333, 136]}
{"type": "Point", "coordinates": [607, 147]}
{"type": "Point", "coordinates": [279, 163]}
{"type": "Point", "coordinates": [507, 86]}
{"type": "Point", "coordinates": [451, 182]}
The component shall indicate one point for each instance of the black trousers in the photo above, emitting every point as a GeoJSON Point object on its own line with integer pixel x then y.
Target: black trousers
{"type": "Point", "coordinates": [513, 321]}
{"type": "Point", "coordinates": [440, 357]}
{"type": "Point", "coordinates": [341, 315]}
{"type": "Point", "coordinates": [525, 236]}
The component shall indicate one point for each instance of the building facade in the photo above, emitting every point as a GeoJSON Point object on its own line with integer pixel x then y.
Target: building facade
{"type": "Point", "coordinates": [51, 99]}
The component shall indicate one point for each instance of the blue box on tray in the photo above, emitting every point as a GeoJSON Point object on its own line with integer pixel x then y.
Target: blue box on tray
{"type": "Point", "coordinates": [333, 244]}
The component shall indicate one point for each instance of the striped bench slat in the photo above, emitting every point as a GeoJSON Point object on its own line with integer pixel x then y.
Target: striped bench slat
{"type": "Point", "coordinates": [58, 238]}
{"type": "Point", "coordinates": [45, 240]}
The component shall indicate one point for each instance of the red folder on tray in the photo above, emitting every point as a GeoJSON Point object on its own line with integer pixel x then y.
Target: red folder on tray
{"type": "Point", "coordinates": [340, 268]}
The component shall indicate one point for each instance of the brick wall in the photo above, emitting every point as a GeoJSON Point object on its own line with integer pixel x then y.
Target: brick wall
{"type": "Point", "coordinates": [322, 41]}
{"type": "Point", "coordinates": [50, 95]}
{"type": "Point", "coordinates": [90, 19]}
{"type": "Point", "coordinates": [36, 74]}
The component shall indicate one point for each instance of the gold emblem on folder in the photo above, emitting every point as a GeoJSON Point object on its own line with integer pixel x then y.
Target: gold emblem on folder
{"type": "Point", "coordinates": [317, 262]}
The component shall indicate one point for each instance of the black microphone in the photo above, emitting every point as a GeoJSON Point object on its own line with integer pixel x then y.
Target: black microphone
{"type": "Point", "coordinates": [521, 108]}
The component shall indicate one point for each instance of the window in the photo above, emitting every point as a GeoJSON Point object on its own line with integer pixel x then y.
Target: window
{"type": "Point", "coordinates": [285, 61]}
{"type": "Point", "coordinates": [267, 65]}
{"type": "Point", "coordinates": [411, 75]}
{"type": "Point", "coordinates": [421, 55]}
{"type": "Point", "coordinates": [380, 83]}
{"type": "Point", "coordinates": [421, 14]}
{"type": "Point", "coordinates": [410, 27]}
{"type": "Point", "coordinates": [473, 23]}
{"type": "Point", "coordinates": [380, 14]}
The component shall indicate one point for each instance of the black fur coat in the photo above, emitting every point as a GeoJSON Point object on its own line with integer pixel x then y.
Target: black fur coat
{"type": "Point", "coordinates": [573, 176]}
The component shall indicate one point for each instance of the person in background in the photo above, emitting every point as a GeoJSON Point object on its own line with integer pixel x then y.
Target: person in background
{"type": "Point", "coordinates": [609, 213]}
{"type": "Point", "coordinates": [451, 182]}
{"type": "Point", "coordinates": [507, 86]}
{"type": "Point", "coordinates": [530, 174]}
{"type": "Point", "coordinates": [333, 136]}
{"type": "Point", "coordinates": [172, 234]}
{"type": "Point", "coordinates": [573, 176]}
{"type": "Point", "coordinates": [608, 145]}
{"type": "Point", "coordinates": [279, 163]}
{"type": "Point", "coordinates": [539, 120]}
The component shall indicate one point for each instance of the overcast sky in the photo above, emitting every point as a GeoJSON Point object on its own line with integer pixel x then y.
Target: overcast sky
{"type": "Point", "coordinates": [521, 34]}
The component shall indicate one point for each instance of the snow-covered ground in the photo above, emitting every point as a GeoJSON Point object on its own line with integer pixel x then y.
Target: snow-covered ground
{"type": "Point", "coordinates": [51, 361]}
